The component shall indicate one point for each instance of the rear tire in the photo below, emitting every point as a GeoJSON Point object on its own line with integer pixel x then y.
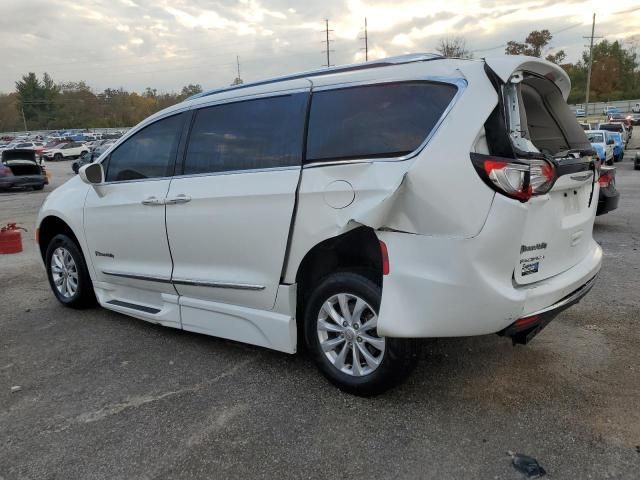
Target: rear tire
{"type": "Point", "coordinates": [345, 345]}
{"type": "Point", "coordinates": [39, 187]}
{"type": "Point", "coordinates": [67, 273]}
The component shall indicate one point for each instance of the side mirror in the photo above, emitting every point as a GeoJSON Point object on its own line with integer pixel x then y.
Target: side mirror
{"type": "Point", "coordinates": [92, 173]}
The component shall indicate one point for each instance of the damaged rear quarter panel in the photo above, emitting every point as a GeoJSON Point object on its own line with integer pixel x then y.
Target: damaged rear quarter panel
{"type": "Point", "coordinates": [437, 192]}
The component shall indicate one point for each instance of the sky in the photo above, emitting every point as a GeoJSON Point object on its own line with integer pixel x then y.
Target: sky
{"type": "Point", "coordinates": [165, 44]}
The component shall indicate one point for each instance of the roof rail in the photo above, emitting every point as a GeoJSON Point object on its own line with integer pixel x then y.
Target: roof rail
{"type": "Point", "coordinates": [383, 62]}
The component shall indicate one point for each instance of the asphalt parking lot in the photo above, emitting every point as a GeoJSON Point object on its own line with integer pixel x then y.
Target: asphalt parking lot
{"type": "Point", "coordinates": [107, 396]}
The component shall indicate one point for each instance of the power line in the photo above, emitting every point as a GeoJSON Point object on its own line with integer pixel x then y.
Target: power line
{"type": "Point", "coordinates": [328, 42]}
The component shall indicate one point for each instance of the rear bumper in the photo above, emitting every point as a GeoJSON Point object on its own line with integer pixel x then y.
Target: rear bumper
{"type": "Point", "coordinates": [23, 181]}
{"type": "Point", "coordinates": [450, 287]}
{"type": "Point", "coordinates": [525, 328]}
{"type": "Point", "coordinates": [607, 200]}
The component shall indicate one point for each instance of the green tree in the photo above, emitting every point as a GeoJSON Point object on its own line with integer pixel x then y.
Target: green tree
{"type": "Point", "coordinates": [37, 99]}
{"type": "Point", "coordinates": [535, 45]}
{"type": "Point", "coordinates": [190, 90]}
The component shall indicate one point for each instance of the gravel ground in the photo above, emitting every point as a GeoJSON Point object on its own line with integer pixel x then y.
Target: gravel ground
{"type": "Point", "coordinates": [107, 396]}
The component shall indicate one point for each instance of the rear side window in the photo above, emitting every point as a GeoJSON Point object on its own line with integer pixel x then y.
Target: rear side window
{"type": "Point", "coordinates": [387, 120]}
{"type": "Point", "coordinates": [149, 153]}
{"type": "Point", "coordinates": [247, 135]}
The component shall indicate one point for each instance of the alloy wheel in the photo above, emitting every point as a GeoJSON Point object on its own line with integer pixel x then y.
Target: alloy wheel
{"type": "Point", "coordinates": [346, 329]}
{"type": "Point", "coordinates": [64, 272]}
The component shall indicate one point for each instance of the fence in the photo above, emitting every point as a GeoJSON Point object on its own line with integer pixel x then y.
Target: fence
{"type": "Point", "coordinates": [596, 108]}
{"type": "Point", "coordinates": [45, 133]}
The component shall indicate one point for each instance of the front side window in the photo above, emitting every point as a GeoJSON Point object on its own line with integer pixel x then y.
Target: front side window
{"type": "Point", "coordinates": [247, 135]}
{"type": "Point", "coordinates": [385, 120]}
{"type": "Point", "coordinates": [149, 153]}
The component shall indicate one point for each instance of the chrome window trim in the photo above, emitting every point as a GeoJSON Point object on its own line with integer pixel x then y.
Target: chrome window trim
{"type": "Point", "coordinates": [460, 83]}
{"type": "Point", "coordinates": [236, 172]}
{"type": "Point", "coordinates": [207, 174]}
{"type": "Point", "coordinates": [136, 180]}
{"type": "Point", "coordinates": [248, 97]}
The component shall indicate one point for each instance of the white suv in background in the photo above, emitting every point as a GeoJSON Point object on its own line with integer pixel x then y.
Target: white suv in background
{"type": "Point", "coordinates": [354, 209]}
{"type": "Point", "coordinates": [65, 150]}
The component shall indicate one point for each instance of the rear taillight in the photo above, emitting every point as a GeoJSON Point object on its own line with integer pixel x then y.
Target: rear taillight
{"type": "Point", "coordinates": [5, 171]}
{"type": "Point", "coordinates": [519, 179]}
{"type": "Point", "coordinates": [606, 178]}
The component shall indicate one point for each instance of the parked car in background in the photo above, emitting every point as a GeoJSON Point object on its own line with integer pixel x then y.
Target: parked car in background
{"type": "Point", "coordinates": [65, 150]}
{"type": "Point", "coordinates": [395, 202]}
{"type": "Point", "coordinates": [615, 127]}
{"type": "Point", "coordinates": [635, 118]}
{"type": "Point", "coordinates": [20, 168]}
{"type": "Point", "coordinates": [608, 196]}
{"type": "Point", "coordinates": [90, 157]}
{"type": "Point", "coordinates": [580, 112]}
{"type": "Point", "coordinates": [610, 110]}
{"type": "Point", "coordinates": [618, 145]}
{"type": "Point", "coordinates": [604, 147]}
{"type": "Point", "coordinates": [625, 120]}
{"type": "Point", "coordinates": [585, 126]}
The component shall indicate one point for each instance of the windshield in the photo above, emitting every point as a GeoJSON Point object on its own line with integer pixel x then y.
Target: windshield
{"type": "Point", "coordinates": [595, 137]}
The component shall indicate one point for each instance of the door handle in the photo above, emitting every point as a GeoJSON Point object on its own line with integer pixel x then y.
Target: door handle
{"type": "Point", "coordinates": [151, 201]}
{"type": "Point", "coordinates": [178, 199]}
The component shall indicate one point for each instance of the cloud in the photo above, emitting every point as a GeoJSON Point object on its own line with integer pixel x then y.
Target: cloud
{"type": "Point", "coordinates": [166, 44]}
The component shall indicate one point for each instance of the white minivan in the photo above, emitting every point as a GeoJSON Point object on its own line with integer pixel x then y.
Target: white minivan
{"type": "Point", "coordinates": [352, 209]}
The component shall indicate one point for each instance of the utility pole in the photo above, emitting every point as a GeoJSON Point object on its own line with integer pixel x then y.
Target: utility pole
{"type": "Point", "coordinates": [24, 119]}
{"type": "Point", "coordinates": [366, 41]}
{"type": "Point", "coordinates": [238, 79]}
{"type": "Point", "coordinates": [328, 42]}
{"type": "Point", "coordinates": [593, 27]}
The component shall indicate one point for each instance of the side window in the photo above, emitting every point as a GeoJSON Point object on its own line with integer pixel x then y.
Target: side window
{"type": "Point", "coordinates": [385, 120]}
{"type": "Point", "coordinates": [246, 135]}
{"type": "Point", "coordinates": [149, 153]}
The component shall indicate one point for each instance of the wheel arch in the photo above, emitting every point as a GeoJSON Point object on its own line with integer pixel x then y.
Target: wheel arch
{"type": "Point", "coordinates": [357, 251]}
{"type": "Point", "coordinates": [50, 226]}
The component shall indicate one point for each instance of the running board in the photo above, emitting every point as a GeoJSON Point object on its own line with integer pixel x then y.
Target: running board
{"type": "Point", "coordinates": [134, 306]}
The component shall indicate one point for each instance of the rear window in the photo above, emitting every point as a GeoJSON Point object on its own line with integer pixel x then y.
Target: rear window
{"type": "Point", "coordinates": [387, 120]}
{"type": "Point", "coordinates": [612, 127]}
{"type": "Point", "coordinates": [595, 137]}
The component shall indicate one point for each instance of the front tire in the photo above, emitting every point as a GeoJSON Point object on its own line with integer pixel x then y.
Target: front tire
{"type": "Point", "coordinates": [67, 273]}
{"type": "Point", "coordinates": [57, 157]}
{"type": "Point", "coordinates": [340, 326]}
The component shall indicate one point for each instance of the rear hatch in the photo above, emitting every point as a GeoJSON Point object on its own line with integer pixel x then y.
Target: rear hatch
{"type": "Point", "coordinates": [558, 230]}
{"type": "Point", "coordinates": [21, 162]}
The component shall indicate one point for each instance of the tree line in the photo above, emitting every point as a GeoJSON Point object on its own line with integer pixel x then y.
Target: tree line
{"type": "Point", "coordinates": [44, 104]}
{"type": "Point", "coordinates": [614, 74]}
